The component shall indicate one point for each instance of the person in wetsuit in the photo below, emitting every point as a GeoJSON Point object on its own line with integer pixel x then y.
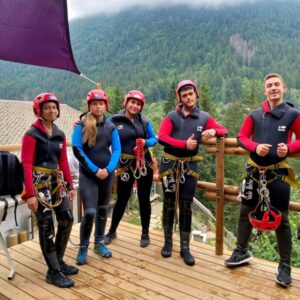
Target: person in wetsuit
{"type": "Point", "coordinates": [180, 133]}
{"type": "Point", "coordinates": [266, 133]}
{"type": "Point", "coordinates": [133, 126]}
{"type": "Point", "coordinates": [96, 145]}
{"type": "Point", "coordinates": [48, 185]}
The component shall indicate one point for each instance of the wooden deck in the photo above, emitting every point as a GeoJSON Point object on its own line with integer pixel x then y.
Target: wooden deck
{"type": "Point", "coordinates": [141, 273]}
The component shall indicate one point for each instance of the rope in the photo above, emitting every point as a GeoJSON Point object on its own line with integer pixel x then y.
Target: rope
{"type": "Point", "coordinates": [85, 77]}
{"type": "Point", "coordinates": [60, 190]}
{"type": "Point", "coordinates": [140, 166]}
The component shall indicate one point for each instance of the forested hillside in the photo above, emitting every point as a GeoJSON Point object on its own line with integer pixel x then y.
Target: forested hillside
{"type": "Point", "coordinates": [227, 51]}
{"type": "Point", "coordinates": [151, 48]}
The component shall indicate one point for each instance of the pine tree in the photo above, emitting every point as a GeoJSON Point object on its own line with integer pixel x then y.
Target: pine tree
{"type": "Point", "coordinates": [116, 97]}
{"type": "Point", "coordinates": [170, 104]}
{"type": "Point", "coordinates": [205, 99]}
{"type": "Point", "coordinates": [119, 100]}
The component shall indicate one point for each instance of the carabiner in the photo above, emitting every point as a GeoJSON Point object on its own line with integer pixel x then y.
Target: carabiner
{"type": "Point", "coordinates": [137, 171]}
{"type": "Point", "coordinates": [143, 171]}
{"type": "Point", "coordinates": [165, 160]}
{"type": "Point", "coordinates": [182, 179]}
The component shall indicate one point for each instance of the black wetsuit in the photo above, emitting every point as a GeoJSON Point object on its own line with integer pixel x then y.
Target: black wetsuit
{"type": "Point", "coordinates": [268, 126]}
{"type": "Point", "coordinates": [95, 193]}
{"type": "Point", "coordinates": [173, 134]}
{"type": "Point", "coordinates": [48, 152]}
{"type": "Point", "coordinates": [130, 131]}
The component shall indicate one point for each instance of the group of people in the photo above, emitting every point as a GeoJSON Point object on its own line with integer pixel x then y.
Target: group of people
{"type": "Point", "coordinates": [119, 146]}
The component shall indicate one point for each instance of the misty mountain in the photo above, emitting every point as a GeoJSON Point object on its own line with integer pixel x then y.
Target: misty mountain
{"type": "Point", "coordinates": [151, 48]}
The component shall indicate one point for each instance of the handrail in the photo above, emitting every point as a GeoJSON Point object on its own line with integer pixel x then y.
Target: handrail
{"type": "Point", "coordinates": [216, 191]}
{"type": "Point", "coordinates": [17, 147]}
{"type": "Point", "coordinates": [229, 235]}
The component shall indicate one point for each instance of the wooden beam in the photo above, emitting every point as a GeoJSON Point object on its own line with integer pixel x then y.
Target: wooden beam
{"type": "Point", "coordinates": [211, 186]}
{"type": "Point", "coordinates": [294, 206]}
{"type": "Point", "coordinates": [230, 151]}
{"type": "Point", "coordinates": [228, 197]}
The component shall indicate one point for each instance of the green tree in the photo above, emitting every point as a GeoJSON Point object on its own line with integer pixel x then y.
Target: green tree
{"type": "Point", "coordinates": [116, 97]}
{"type": "Point", "coordinates": [171, 100]}
{"type": "Point", "coordinates": [205, 99]}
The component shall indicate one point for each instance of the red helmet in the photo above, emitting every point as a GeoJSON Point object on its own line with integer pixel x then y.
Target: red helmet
{"type": "Point", "coordinates": [265, 218]}
{"type": "Point", "coordinates": [183, 83]}
{"type": "Point", "coordinates": [97, 95]}
{"type": "Point", "coordinates": [137, 95]}
{"type": "Point", "coordinates": [42, 98]}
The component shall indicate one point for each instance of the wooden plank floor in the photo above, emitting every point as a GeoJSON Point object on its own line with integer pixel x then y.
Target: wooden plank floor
{"type": "Point", "coordinates": [141, 273]}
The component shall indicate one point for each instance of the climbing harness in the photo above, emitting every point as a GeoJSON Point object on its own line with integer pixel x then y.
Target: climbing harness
{"type": "Point", "coordinates": [180, 163]}
{"type": "Point", "coordinates": [176, 175]}
{"type": "Point", "coordinates": [43, 186]}
{"type": "Point", "coordinates": [289, 178]}
{"type": "Point", "coordinates": [126, 161]}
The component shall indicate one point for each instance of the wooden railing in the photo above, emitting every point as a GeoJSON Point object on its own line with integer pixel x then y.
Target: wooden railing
{"type": "Point", "coordinates": [216, 191]}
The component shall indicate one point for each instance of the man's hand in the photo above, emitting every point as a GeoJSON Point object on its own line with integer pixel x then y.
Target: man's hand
{"type": "Point", "coordinates": [263, 149]}
{"type": "Point", "coordinates": [282, 150]}
{"type": "Point", "coordinates": [208, 133]}
{"type": "Point", "coordinates": [191, 144]}
{"type": "Point", "coordinates": [32, 204]}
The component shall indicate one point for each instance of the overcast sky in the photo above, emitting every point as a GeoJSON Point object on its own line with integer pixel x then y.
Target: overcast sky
{"type": "Point", "coordinates": [81, 8]}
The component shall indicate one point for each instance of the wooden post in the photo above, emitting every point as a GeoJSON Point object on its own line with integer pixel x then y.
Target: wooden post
{"type": "Point", "coordinates": [220, 195]}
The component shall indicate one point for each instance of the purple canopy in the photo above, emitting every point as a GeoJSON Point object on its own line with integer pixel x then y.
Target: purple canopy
{"type": "Point", "coordinates": [36, 32]}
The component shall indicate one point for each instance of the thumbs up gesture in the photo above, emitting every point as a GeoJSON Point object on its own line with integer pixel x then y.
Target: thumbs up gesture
{"type": "Point", "coordinates": [191, 143]}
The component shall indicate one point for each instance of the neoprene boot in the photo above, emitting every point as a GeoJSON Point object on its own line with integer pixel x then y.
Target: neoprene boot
{"type": "Point", "coordinates": [168, 220]}
{"type": "Point", "coordinates": [185, 224]}
{"type": "Point", "coordinates": [185, 253]}
{"type": "Point", "coordinates": [57, 278]}
{"type": "Point", "coordinates": [166, 251]}
{"type": "Point", "coordinates": [110, 236]}
{"type": "Point", "coordinates": [54, 275]}
{"type": "Point", "coordinates": [65, 222]}
{"type": "Point", "coordinates": [145, 238]}
{"type": "Point", "coordinates": [284, 241]}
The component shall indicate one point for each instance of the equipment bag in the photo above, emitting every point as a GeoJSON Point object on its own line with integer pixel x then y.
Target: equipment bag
{"type": "Point", "coordinates": [11, 174]}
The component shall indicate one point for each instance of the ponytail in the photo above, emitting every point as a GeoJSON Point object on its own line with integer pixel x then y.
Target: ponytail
{"type": "Point", "coordinates": [89, 130]}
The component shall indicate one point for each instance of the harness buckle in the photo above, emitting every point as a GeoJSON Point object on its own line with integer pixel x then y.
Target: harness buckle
{"type": "Point", "coordinates": [124, 160]}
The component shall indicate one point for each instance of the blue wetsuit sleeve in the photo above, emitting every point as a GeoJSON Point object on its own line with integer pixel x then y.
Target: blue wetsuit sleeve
{"type": "Point", "coordinates": [116, 151]}
{"type": "Point", "coordinates": [151, 138]}
{"type": "Point", "coordinates": [79, 152]}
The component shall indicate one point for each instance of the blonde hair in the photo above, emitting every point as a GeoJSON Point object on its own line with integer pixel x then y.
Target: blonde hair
{"type": "Point", "coordinates": [272, 75]}
{"type": "Point", "coordinates": [89, 130]}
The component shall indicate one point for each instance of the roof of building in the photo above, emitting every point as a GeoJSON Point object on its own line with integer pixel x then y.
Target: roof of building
{"type": "Point", "coordinates": [17, 116]}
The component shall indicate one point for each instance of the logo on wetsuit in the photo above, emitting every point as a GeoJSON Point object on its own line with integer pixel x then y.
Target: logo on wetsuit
{"type": "Point", "coordinates": [125, 177]}
{"type": "Point", "coordinates": [281, 128]}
